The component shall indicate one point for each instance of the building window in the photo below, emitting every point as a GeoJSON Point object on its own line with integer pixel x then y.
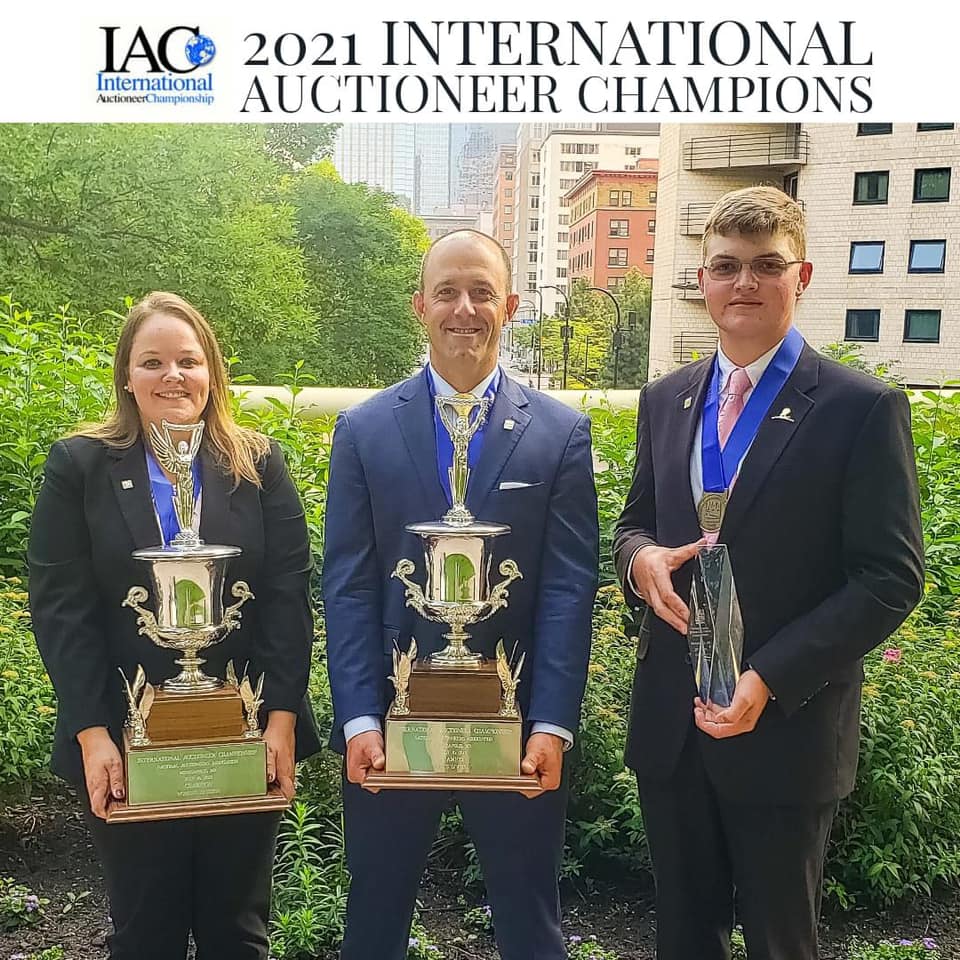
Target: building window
{"type": "Point", "coordinates": [535, 180]}
{"type": "Point", "coordinates": [921, 326]}
{"type": "Point", "coordinates": [508, 192]}
{"type": "Point", "coordinates": [873, 129]}
{"type": "Point", "coordinates": [615, 283]}
{"type": "Point", "coordinates": [531, 244]}
{"type": "Point", "coordinates": [871, 187]}
{"type": "Point", "coordinates": [561, 273]}
{"type": "Point", "coordinates": [619, 228]}
{"type": "Point", "coordinates": [508, 175]}
{"type": "Point", "coordinates": [508, 210]}
{"type": "Point", "coordinates": [866, 256]}
{"type": "Point", "coordinates": [534, 203]}
{"type": "Point", "coordinates": [532, 256]}
{"type": "Point", "coordinates": [927, 256]}
{"type": "Point", "coordinates": [614, 198]}
{"type": "Point", "coordinates": [652, 196]}
{"type": "Point", "coordinates": [532, 277]}
{"type": "Point", "coordinates": [508, 227]}
{"type": "Point", "coordinates": [533, 225]}
{"type": "Point", "coordinates": [532, 287]}
{"type": "Point", "coordinates": [926, 127]}
{"type": "Point", "coordinates": [563, 237]}
{"type": "Point", "coordinates": [651, 226]}
{"type": "Point", "coordinates": [562, 254]}
{"type": "Point", "coordinates": [617, 257]}
{"type": "Point", "coordinates": [650, 255]}
{"type": "Point", "coordinates": [563, 219]}
{"type": "Point", "coordinates": [931, 186]}
{"type": "Point", "coordinates": [535, 156]}
{"type": "Point", "coordinates": [507, 243]}
{"type": "Point", "coordinates": [626, 198]}
{"type": "Point", "coordinates": [862, 325]}
{"type": "Point", "coordinates": [790, 183]}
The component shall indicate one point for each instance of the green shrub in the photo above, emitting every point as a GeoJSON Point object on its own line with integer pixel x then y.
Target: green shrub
{"type": "Point", "coordinates": [899, 833]}
{"type": "Point", "coordinates": [925, 949]}
{"type": "Point", "coordinates": [19, 907]}
{"type": "Point", "coordinates": [27, 703]}
{"type": "Point", "coordinates": [54, 374]}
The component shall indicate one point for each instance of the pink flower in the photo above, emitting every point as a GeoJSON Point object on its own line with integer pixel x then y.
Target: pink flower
{"type": "Point", "coordinates": [893, 654]}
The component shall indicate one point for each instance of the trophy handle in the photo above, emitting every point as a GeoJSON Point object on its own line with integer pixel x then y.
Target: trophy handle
{"type": "Point", "coordinates": [146, 621]}
{"type": "Point", "coordinates": [413, 594]}
{"type": "Point", "coordinates": [232, 615]}
{"type": "Point", "coordinates": [499, 594]}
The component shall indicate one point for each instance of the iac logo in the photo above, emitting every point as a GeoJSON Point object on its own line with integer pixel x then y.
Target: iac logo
{"type": "Point", "coordinates": [177, 50]}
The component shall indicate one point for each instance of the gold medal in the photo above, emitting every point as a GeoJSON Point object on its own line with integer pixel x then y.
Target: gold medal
{"type": "Point", "coordinates": [710, 511]}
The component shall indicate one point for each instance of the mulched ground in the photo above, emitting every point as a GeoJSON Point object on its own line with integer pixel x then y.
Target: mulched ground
{"type": "Point", "coordinates": [44, 844]}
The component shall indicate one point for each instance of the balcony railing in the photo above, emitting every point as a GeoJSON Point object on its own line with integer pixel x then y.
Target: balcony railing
{"type": "Point", "coordinates": [689, 346]}
{"type": "Point", "coordinates": [693, 218]}
{"type": "Point", "coordinates": [785, 147]}
{"type": "Point", "coordinates": [687, 284]}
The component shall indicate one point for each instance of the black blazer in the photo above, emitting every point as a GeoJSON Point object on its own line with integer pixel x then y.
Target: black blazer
{"type": "Point", "coordinates": [823, 527]}
{"type": "Point", "coordinates": [94, 508]}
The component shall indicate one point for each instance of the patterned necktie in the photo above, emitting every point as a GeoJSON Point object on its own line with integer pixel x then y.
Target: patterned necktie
{"type": "Point", "coordinates": [737, 386]}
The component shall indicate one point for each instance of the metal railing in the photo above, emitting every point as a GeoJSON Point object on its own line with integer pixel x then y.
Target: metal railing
{"type": "Point", "coordinates": [686, 283]}
{"type": "Point", "coordinates": [689, 346]}
{"type": "Point", "coordinates": [787, 146]}
{"type": "Point", "coordinates": [693, 217]}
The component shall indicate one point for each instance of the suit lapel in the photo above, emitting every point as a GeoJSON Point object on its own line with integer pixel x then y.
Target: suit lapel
{"type": "Point", "coordinates": [215, 507]}
{"type": "Point", "coordinates": [681, 430]}
{"type": "Point", "coordinates": [414, 416]}
{"type": "Point", "coordinates": [499, 442]}
{"type": "Point", "coordinates": [777, 429]}
{"type": "Point", "coordinates": [131, 486]}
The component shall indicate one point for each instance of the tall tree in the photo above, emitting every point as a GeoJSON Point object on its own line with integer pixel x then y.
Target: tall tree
{"type": "Point", "coordinates": [92, 213]}
{"type": "Point", "coordinates": [362, 255]}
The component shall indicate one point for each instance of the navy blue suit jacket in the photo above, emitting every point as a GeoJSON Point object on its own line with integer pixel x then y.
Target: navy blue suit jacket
{"type": "Point", "coordinates": [383, 475]}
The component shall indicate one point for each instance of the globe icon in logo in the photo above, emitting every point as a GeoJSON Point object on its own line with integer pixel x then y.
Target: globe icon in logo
{"type": "Point", "coordinates": [200, 50]}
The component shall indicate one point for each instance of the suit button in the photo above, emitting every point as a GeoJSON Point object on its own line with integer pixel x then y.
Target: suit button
{"type": "Point", "coordinates": [687, 660]}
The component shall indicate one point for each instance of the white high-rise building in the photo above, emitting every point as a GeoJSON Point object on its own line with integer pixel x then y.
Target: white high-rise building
{"type": "Point", "coordinates": [381, 155]}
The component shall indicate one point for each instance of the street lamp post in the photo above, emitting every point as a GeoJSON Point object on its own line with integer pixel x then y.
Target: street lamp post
{"type": "Point", "coordinates": [565, 330]}
{"type": "Point", "coordinates": [617, 333]}
{"type": "Point", "coordinates": [536, 290]}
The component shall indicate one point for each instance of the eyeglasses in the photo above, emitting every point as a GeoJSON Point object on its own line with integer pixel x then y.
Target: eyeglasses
{"type": "Point", "coordinates": [763, 268]}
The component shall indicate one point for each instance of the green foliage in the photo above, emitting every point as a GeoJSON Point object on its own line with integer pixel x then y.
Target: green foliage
{"type": "Point", "coordinates": [614, 435]}
{"type": "Point", "coordinates": [588, 948]}
{"type": "Point", "coordinates": [19, 907]}
{"type": "Point", "coordinates": [634, 297]}
{"type": "Point", "coordinates": [925, 949]}
{"type": "Point", "coordinates": [95, 212]}
{"type": "Point", "coordinates": [51, 953]}
{"type": "Point", "coordinates": [362, 256]}
{"type": "Point", "coordinates": [479, 919]}
{"type": "Point", "coordinates": [54, 373]}
{"type": "Point", "coordinates": [310, 886]}
{"type": "Point", "coordinates": [851, 355]}
{"type": "Point", "coordinates": [899, 834]}
{"type": "Point", "coordinates": [420, 946]}
{"type": "Point", "coordinates": [27, 703]}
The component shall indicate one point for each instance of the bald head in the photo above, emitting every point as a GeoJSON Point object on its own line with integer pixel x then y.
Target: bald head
{"type": "Point", "coordinates": [468, 237]}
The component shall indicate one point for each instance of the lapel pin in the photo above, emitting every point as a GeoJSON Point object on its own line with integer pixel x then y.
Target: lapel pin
{"type": "Point", "coordinates": [508, 424]}
{"type": "Point", "coordinates": [126, 484]}
{"type": "Point", "coordinates": [784, 414]}
{"type": "Point", "coordinates": [687, 401]}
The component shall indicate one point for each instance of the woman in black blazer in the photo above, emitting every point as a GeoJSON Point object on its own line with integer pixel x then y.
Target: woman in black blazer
{"type": "Point", "coordinates": [100, 500]}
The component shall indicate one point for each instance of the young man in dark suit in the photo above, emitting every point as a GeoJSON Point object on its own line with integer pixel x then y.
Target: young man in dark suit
{"type": "Point", "coordinates": [532, 471]}
{"type": "Point", "coordinates": [820, 514]}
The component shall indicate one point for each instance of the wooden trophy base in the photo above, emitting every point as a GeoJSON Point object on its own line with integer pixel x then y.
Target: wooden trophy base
{"type": "Point", "coordinates": [198, 761]}
{"type": "Point", "coordinates": [453, 737]}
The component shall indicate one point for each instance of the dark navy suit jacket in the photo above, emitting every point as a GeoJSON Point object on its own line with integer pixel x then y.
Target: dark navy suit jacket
{"type": "Point", "coordinates": [384, 475]}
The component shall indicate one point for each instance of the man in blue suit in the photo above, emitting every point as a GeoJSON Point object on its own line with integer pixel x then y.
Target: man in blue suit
{"type": "Point", "coordinates": [530, 468]}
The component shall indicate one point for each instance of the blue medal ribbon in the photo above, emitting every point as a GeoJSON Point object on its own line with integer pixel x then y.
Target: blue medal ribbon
{"type": "Point", "coordinates": [720, 467]}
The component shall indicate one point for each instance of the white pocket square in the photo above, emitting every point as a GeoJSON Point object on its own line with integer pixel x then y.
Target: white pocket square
{"type": "Point", "coordinates": [517, 484]}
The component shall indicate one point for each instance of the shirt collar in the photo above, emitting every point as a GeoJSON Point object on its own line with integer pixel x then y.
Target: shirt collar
{"type": "Point", "coordinates": [443, 389]}
{"type": "Point", "coordinates": [754, 370]}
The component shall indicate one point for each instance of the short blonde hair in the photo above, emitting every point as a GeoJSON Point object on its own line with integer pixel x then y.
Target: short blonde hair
{"type": "Point", "coordinates": [755, 210]}
{"type": "Point", "coordinates": [237, 449]}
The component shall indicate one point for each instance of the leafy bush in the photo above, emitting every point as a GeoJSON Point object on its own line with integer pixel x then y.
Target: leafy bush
{"type": "Point", "coordinates": [53, 375]}
{"type": "Point", "coordinates": [925, 949]}
{"type": "Point", "coordinates": [18, 905]}
{"type": "Point", "coordinates": [27, 703]}
{"type": "Point", "coordinates": [899, 833]}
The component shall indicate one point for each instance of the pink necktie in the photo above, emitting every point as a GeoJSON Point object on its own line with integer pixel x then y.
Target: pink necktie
{"type": "Point", "coordinates": [732, 406]}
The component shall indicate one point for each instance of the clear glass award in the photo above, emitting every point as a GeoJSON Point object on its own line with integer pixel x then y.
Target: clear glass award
{"type": "Point", "coordinates": [715, 627]}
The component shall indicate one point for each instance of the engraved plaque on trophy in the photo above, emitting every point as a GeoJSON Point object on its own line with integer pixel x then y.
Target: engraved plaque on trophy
{"type": "Point", "coordinates": [715, 627]}
{"type": "Point", "coordinates": [454, 723]}
{"type": "Point", "coordinates": [192, 745]}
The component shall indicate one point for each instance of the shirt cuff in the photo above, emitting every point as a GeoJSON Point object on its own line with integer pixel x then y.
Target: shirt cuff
{"type": "Point", "coordinates": [630, 583]}
{"type": "Point", "coordinates": [561, 732]}
{"type": "Point", "coordinates": [361, 725]}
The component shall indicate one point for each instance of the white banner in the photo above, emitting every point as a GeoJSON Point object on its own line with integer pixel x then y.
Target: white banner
{"type": "Point", "coordinates": [378, 62]}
